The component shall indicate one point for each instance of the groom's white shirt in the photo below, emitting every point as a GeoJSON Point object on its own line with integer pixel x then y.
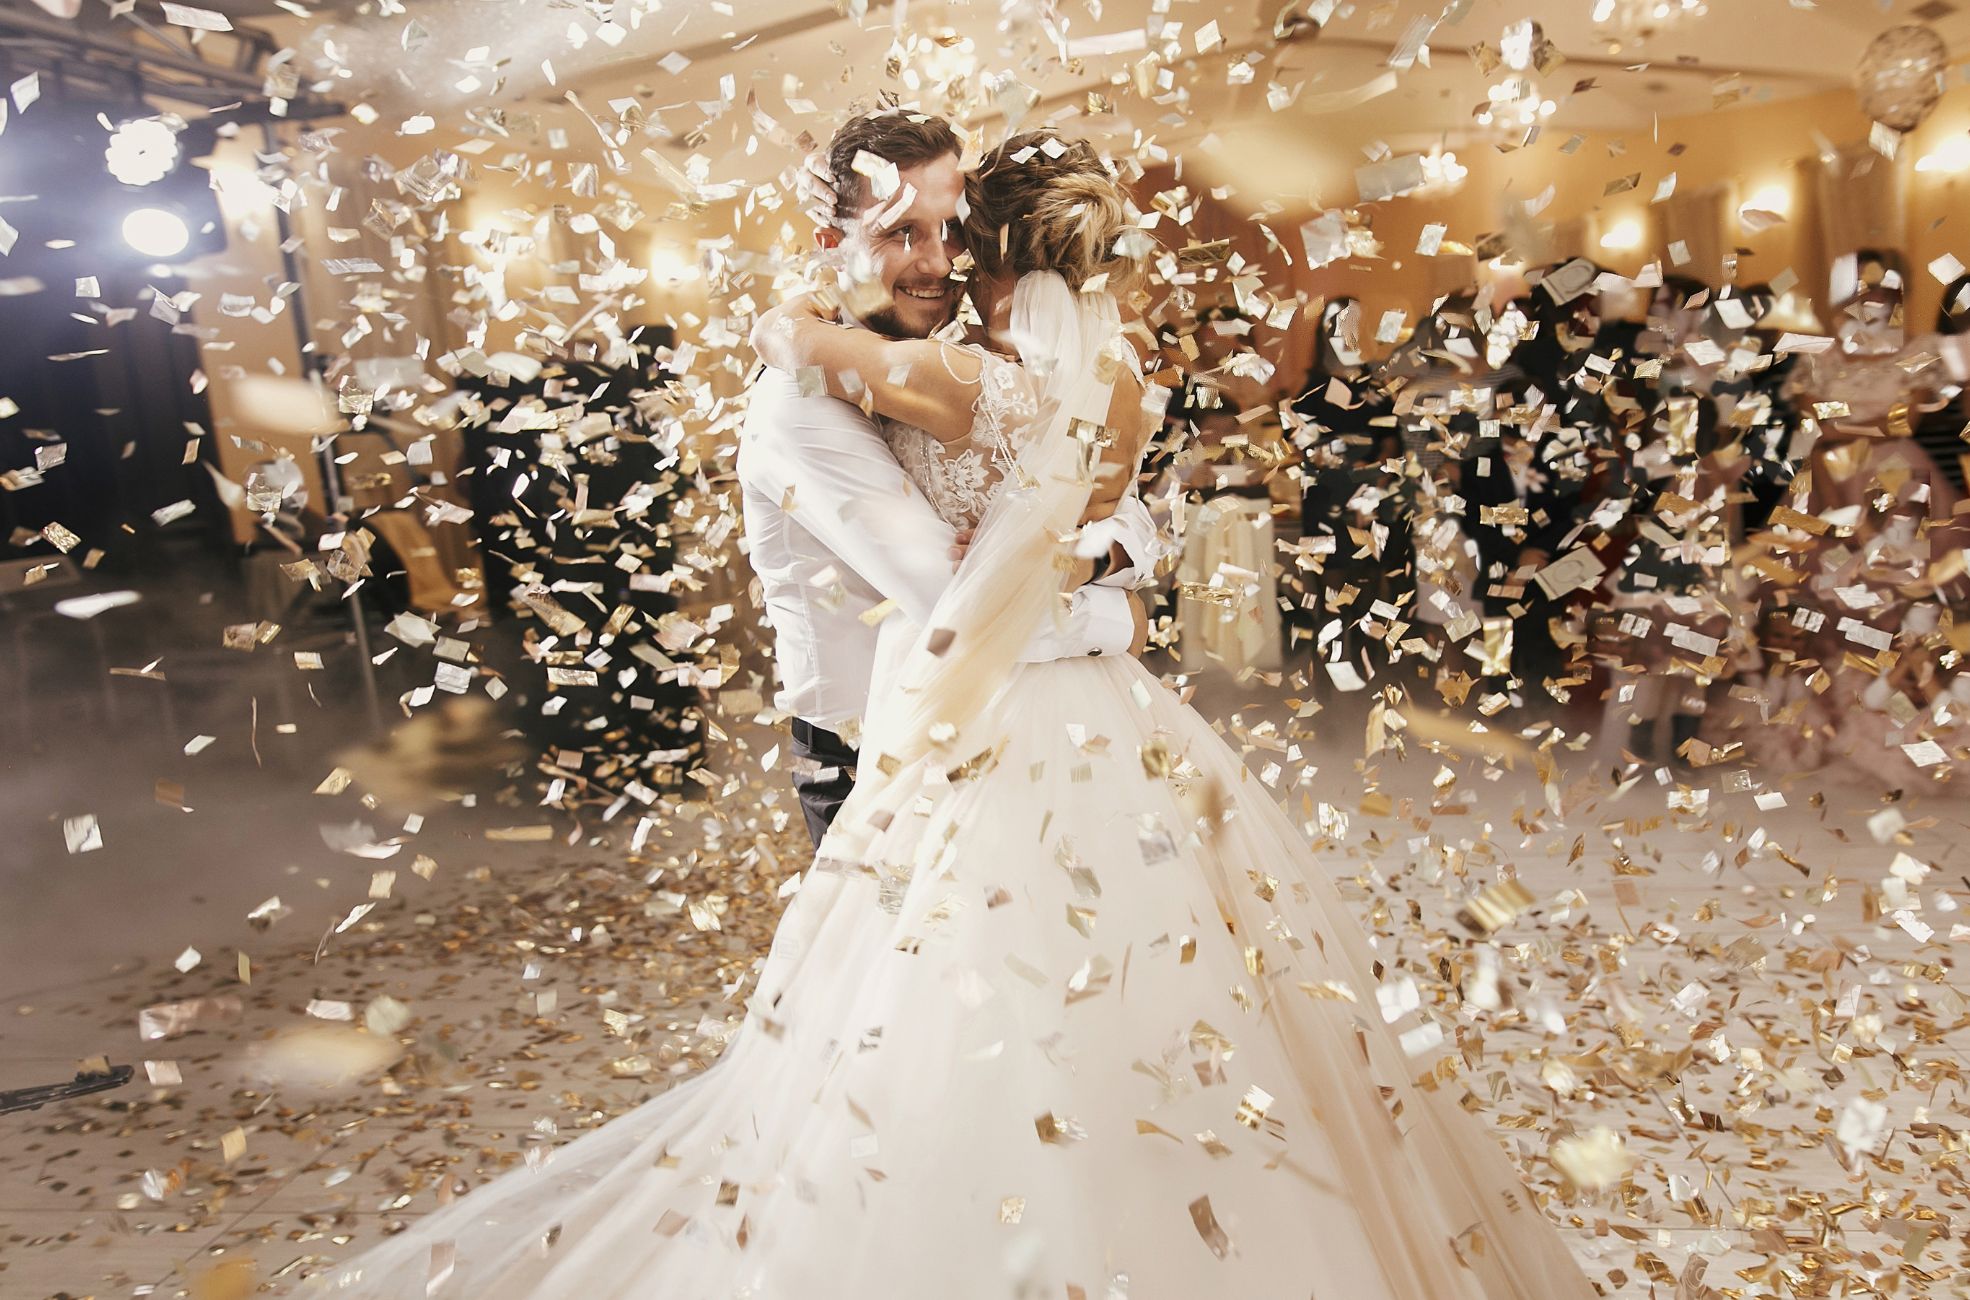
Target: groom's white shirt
{"type": "Point", "coordinates": [834, 526]}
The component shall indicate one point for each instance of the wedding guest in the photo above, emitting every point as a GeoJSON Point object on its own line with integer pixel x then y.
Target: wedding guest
{"type": "Point", "coordinates": [1228, 606]}
{"type": "Point", "coordinates": [1346, 435]}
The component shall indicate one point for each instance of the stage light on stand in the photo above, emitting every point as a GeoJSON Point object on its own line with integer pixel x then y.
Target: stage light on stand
{"type": "Point", "coordinates": [142, 152]}
{"type": "Point", "coordinates": [155, 232]}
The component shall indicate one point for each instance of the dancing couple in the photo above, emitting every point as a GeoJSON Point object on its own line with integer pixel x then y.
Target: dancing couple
{"type": "Point", "coordinates": [1063, 1006]}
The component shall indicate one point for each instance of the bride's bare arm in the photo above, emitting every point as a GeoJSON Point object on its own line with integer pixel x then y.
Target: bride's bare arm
{"type": "Point", "coordinates": [1117, 465]}
{"type": "Point", "coordinates": [1113, 471]}
{"type": "Point", "coordinates": [920, 382]}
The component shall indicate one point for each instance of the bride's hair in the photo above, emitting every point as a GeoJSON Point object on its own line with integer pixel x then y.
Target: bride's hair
{"type": "Point", "coordinates": [1042, 202]}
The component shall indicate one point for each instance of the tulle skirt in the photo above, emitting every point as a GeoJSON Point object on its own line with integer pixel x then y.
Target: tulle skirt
{"type": "Point", "coordinates": [1093, 1025]}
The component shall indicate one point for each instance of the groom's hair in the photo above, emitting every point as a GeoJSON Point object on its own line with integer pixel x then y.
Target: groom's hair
{"type": "Point", "coordinates": [907, 139]}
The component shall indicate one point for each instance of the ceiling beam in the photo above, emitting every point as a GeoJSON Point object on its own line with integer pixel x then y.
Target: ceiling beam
{"type": "Point", "coordinates": [65, 34]}
{"type": "Point", "coordinates": [799, 24]}
{"type": "Point", "coordinates": [167, 73]}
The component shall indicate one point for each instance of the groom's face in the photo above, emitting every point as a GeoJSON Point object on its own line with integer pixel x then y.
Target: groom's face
{"type": "Point", "coordinates": [911, 250]}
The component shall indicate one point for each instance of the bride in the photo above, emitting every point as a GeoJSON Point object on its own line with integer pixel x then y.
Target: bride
{"type": "Point", "coordinates": [1063, 1008]}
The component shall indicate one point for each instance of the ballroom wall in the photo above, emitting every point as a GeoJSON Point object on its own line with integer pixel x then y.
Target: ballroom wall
{"type": "Point", "coordinates": [1739, 153]}
{"type": "Point", "coordinates": [1722, 160]}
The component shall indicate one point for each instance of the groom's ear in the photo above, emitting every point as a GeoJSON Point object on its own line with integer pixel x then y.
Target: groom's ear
{"type": "Point", "coordinates": [827, 237]}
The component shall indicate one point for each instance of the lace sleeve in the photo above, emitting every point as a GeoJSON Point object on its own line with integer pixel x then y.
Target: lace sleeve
{"type": "Point", "coordinates": [1008, 409]}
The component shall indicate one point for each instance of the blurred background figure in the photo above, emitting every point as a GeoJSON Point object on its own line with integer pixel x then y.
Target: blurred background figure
{"type": "Point", "coordinates": [1346, 433]}
{"type": "Point", "coordinates": [1939, 432]}
{"type": "Point", "coordinates": [1228, 606]}
{"type": "Point", "coordinates": [1892, 548]}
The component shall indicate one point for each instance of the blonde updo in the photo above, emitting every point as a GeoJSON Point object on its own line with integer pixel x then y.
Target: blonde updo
{"type": "Point", "coordinates": [1041, 202]}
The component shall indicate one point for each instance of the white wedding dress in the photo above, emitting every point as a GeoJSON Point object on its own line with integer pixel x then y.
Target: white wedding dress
{"type": "Point", "coordinates": [1064, 1009]}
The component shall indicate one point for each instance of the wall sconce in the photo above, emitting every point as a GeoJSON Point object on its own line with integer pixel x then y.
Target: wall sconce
{"type": "Point", "coordinates": [1771, 198]}
{"type": "Point", "coordinates": [1949, 157]}
{"type": "Point", "coordinates": [670, 265]}
{"type": "Point", "coordinates": [1623, 236]}
{"type": "Point", "coordinates": [1765, 209]}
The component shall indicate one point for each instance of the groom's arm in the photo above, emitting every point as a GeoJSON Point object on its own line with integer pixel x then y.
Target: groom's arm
{"type": "Point", "coordinates": [835, 474]}
{"type": "Point", "coordinates": [1133, 532]}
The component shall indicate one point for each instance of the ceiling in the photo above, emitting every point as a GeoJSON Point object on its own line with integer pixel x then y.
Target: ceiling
{"type": "Point", "coordinates": [690, 65]}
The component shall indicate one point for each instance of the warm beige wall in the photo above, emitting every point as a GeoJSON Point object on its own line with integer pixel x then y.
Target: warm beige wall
{"type": "Point", "coordinates": [1746, 149]}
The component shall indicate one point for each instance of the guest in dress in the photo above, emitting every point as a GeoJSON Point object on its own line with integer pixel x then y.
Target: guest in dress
{"type": "Point", "coordinates": [1890, 553]}
{"type": "Point", "coordinates": [1228, 604]}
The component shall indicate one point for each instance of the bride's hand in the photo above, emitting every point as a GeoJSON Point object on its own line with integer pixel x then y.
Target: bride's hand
{"type": "Point", "coordinates": [815, 188]}
{"type": "Point", "coordinates": [811, 305]}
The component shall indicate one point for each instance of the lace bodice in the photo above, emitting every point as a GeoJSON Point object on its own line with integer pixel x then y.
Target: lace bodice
{"type": "Point", "coordinates": [959, 479]}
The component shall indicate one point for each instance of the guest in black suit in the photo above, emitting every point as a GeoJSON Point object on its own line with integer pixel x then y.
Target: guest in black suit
{"type": "Point", "coordinates": [1343, 448]}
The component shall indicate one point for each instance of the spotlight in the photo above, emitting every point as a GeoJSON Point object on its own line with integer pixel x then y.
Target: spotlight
{"type": "Point", "coordinates": [156, 233]}
{"type": "Point", "coordinates": [142, 152]}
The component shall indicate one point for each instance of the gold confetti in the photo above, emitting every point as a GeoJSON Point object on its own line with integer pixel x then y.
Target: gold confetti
{"type": "Point", "coordinates": [1206, 1223]}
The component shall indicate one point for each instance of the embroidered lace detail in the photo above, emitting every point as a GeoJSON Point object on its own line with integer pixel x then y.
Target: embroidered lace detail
{"type": "Point", "coordinates": [959, 479]}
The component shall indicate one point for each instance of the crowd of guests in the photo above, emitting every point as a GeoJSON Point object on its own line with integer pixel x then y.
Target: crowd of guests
{"type": "Point", "coordinates": [1725, 529]}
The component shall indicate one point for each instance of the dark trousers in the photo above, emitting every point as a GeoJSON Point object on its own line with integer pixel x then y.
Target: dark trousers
{"type": "Point", "coordinates": [824, 779]}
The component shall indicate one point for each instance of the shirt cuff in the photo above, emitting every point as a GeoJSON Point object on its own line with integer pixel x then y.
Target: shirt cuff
{"type": "Point", "coordinates": [1104, 613]}
{"type": "Point", "coordinates": [1096, 621]}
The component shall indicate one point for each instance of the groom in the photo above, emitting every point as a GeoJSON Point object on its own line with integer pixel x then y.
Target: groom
{"type": "Point", "coordinates": [835, 529]}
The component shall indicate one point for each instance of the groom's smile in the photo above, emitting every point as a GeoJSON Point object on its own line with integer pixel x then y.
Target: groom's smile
{"type": "Point", "coordinates": [939, 292]}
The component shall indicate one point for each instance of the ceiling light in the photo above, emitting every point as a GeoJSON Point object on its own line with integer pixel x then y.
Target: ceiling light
{"type": "Point", "coordinates": [1442, 173]}
{"type": "Point", "coordinates": [1514, 105]}
{"type": "Point", "coordinates": [1628, 23]}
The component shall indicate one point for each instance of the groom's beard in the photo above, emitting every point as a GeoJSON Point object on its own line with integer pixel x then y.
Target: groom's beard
{"type": "Point", "coordinates": [921, 318]}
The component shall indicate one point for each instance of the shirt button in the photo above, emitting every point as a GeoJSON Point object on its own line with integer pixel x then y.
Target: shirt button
{"type": "Point", "coordinates": [1093, 653]}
